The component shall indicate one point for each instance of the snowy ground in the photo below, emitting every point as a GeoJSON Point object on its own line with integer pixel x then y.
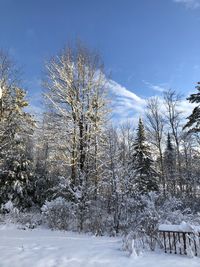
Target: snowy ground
{"type": "Point", "coordinates": [45, 248]}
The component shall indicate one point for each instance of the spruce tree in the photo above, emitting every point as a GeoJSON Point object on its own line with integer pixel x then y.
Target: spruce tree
{"type": "Point", "coordinates": [145, 176]}
{"type": "Point", "coordinates": [170, 166]}
{"type": "Point", "coordinates": [194, 118]}
{"type": "Point", "coordinates": [17, 170]}
{"type": "Point", "coordinates": [16, 129]}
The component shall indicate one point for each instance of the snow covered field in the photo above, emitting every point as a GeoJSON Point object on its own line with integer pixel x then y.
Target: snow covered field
{"type": "Point", "coordinates": [46, 248]}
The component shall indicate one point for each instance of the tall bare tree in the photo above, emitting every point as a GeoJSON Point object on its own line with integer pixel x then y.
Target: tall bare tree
{"type": "Point", "coordinates": [155, 130]}
{"type": "Point", "coordinates": [75, 86]}
{"type": "Point", "coordinates": [172, 100]}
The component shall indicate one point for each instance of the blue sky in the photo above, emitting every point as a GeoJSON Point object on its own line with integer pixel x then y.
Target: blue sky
{"type": "Point", "coordinates": [147, 45]}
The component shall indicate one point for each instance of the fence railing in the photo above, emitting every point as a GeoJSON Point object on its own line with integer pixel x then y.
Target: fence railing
{"type": "Point", "coordinates": [183, 242]}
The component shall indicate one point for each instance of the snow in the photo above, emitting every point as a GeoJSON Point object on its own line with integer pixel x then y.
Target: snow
{"type": "Point", "coordinates": [46, 248]}
{"type": "Point", "coordinates": [183, 227]}
{"type": "Point", "coordinates": [8, 206]}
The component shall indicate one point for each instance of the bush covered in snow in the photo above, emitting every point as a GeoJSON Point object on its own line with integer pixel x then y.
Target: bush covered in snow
{"type": "Point", "coordinates": [151, 210]}
{"type": "Point", "coordinates": [57, 213]}
{"type": "Point", "coordinates": [30, 220]}
{"type": "Point", "coordinates": [10, 214]}
{"type": "Point", "coordinates": [134, 243]}
{"type": "Point", "coordinates": [9, 207]}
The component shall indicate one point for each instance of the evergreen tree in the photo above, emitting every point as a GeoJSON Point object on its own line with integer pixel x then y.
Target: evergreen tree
{"type": "Point", "coordinates": [16, 128]}
{"type": "Point", "coordinates": [144, 175]}
{"type": "Point", "coordinates": [17, 170]}
{"type": "Point", "coordinates": [170, 166]}
{"type": "Point", "coordinates": [194, 118]}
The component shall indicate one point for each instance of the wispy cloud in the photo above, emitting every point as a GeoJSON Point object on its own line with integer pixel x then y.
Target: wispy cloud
{"type": "Point", "coordinates": [156, 87]}
{"type": "Point", "coordinates": [123, 92]}
{"type": "Point", "coordinates": [125, 104]}
{"type": "Point", "coordinates": [193, 4]}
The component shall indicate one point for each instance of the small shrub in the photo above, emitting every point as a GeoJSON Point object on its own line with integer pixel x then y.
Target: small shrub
{"type": "Point", "coordinates": [57, 213]}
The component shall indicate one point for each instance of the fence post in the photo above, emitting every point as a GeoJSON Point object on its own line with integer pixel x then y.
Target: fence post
{"type": "Point", "coordinates": [184, 244]}
{"type": "Point", "coordinates": [165, 242]}
{"type": "Point", "coordinates": [170, 247]}
{"type": "Point", "coordinates": [174, 242]}
{"type": "Point", "coordinates": [179, 240]}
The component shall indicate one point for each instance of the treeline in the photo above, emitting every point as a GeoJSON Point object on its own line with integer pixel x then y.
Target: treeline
{"type": "Point", "coordinates": [84, 172]}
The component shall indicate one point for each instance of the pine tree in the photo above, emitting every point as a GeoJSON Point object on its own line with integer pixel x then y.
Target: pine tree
{"type": "Point", "coordinates": [194, 118]}
{"type": "Point", "coordinates": [16, 129]}
{"type": "Point", "coordinates": [17, 170]}
{"type": "Point", "coordinates": [145, 176]}
{"type": "Point", "coordinates": [170, 166]}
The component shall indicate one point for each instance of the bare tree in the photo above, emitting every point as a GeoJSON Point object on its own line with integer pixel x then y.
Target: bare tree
{"type": "Point", "coordinates": [75, 86]}
{"type": "Point", "coordinates": [155, 130]}
{"type": "Point", "coordinates": [172, 100]}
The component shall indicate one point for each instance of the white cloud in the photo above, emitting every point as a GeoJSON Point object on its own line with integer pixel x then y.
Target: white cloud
{"type": "Point", "coordinates": [122, 91]}
{"type": "Point", "coordinates": [185, 107]}
{"type": "Point", "coordinates": [158, 88]}
{"type": "Point", "coordinates": [193, 4]}
{"type": "Point", "coordinates": [125, 104]}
